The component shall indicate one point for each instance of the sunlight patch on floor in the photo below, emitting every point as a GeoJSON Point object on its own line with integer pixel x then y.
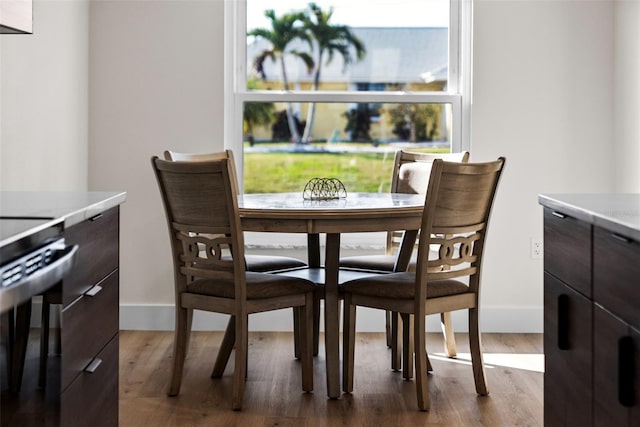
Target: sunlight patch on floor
{"type": "Point", "coordinates": [528, 362]}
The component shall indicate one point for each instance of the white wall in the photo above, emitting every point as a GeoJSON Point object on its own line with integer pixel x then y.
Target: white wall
{"type": "Point", "coordinates": [156, 84]}
{"type": "Point", "coordinates": [542, 97]}
{"type": "Point", "coordinates": [44, 80]}
{"type": "Point", "coordinates": [627, 96]}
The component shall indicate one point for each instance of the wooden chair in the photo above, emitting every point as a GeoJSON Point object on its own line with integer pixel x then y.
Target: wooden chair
{"type": "Point", "coordinates": [410, 174]}
{"type": "Point", "coordinates": [259, 263]}
{"type": "Point", "coordinates": [200, 201]}
{"type": "Point", "coordinates": [455, 219]}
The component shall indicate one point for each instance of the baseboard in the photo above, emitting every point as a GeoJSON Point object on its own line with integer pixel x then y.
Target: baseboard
{"type": "Point", "coordinates": [493, 319]}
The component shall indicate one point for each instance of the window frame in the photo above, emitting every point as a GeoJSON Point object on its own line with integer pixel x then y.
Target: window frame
{"type": "Point", "coordinates": [458, 93]}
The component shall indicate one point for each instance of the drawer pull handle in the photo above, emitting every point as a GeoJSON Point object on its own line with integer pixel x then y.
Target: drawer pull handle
{"type": "Point", "coordinates": [96, 217]}
{"type": "Point", "coordinates": [93, 291]}
{"type": "Point", "coordinates": [621, 238]}
{"type": "Point", "coordinates": [626, 372]}
{"type": "Point", "coordinates": [563, 322]}
{"type": "Point", "coordinates": [91, 368]}
{"type": "Point", "coordinates": [558, 214]}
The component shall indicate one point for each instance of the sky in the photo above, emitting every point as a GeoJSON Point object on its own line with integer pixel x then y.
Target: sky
{"type": "Point", "coordinates": [360, 13]}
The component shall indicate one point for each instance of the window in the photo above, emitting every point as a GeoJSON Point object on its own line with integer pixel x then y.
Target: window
{"type": "Point", "coordinates": [395, 73]}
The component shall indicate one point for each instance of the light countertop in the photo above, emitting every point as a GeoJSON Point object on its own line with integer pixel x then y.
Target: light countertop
{"type": "Point", "coordinates": [618, 213]}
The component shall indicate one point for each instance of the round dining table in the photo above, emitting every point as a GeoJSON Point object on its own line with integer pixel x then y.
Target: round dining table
{"type": "Point", "coordinates": [354, 213]}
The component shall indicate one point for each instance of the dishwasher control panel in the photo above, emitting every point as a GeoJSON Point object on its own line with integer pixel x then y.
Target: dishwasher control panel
{"type": "Point", "coordinates": [28, 264]}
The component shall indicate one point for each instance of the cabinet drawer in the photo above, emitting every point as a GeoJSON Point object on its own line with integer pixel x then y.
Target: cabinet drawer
{"type": "Point", "coordinates": [92, 399]}
{"type": "Point", "coordinates": [97, 240]}
{"type": "Point", "coordinates": [567, 250]}
{"type": "Point", "coordinates": [616, 275]}
{"type": "Point", "coordinates": [87, 326]}
{"type": "Point", "coordinates": [568, 346]}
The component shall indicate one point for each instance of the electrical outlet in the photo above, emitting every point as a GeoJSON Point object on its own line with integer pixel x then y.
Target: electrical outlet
{"type": "Point", "coordinates": [537, 249]}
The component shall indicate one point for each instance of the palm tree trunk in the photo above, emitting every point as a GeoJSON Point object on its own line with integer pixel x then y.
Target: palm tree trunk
{"type": "Point", "coordinates": [309, 125]}
{"type": "Point", "coordinates": [293, 129]}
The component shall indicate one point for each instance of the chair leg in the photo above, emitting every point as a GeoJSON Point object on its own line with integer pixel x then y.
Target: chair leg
{"type": "Point", "coordinates": [429, 367]}
{"type": "Point", "coordinates": [475, 346]}
{"type": "Point", "coordinates": [180, 345]}
{"type": "Point", "coordinates": [387, 328]}
{"type": "Point", "coordinates": [240, 369]}
{"type": "Point", "coordinates": [316, 323]}
{"type": "Point", "coordinates": [226, 346]}
{"type": "Point", "coordinates": [396, 345]}
{"type": "Point", "coordinates": [422, 386]}
{"type": "Point", "coordinates": [348, 344]}
{"type": "Point", "coordinates": [44, 342]}
{"type": "Point", "coordinates": [305, 331]}
{"type": "Point", "coordinates": [447, 331]}
{"type": "Point", "coordinates": [296, 332]}
{"type": "Point", "coordinates": [407, 346]}
{"type": "Point", "coordinates": [189, 323]}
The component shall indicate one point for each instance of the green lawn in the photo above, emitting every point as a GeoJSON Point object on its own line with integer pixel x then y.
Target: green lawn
{"type": "Point", "coordinates": [290, 171]}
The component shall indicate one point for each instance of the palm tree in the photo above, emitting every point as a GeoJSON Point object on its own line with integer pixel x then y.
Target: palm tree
{"type": "Point", "coordinates": [283, 31]}
{"type": "Point", "coordinates": [329, 39]}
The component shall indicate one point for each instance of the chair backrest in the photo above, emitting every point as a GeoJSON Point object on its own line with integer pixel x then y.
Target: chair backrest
{"type": "Point", "coordinates": [411, 171]}
{"type": "Point", "coordinates": [194, 157]}
{"type": "Point", "coordinates": [200, 201]}
{"type": "Point", "coordinates": [455, 219]}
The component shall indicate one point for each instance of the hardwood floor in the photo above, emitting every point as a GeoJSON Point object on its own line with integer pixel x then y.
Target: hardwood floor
{"type": "Point", "coordinates": [274, 397]}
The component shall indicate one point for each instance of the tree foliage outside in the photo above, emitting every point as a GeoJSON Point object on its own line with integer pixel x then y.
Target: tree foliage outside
{"type": "Point", "coordinates": [358, 123]}
{"type": "Point", "coordinates": [415, 122]}
{"type": "Point", "coordinates": [280, 127]}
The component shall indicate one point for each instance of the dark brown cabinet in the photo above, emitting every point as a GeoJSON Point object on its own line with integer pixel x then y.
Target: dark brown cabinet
{"type": "Point", "coordinates": [90, 323]}
{"type": "Point", "coordinates": [591, 314]}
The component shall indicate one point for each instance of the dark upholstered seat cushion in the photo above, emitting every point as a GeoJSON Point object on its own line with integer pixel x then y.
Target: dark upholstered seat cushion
{"type": "Point", "coordinates": [375, 262]}
{"type": "Point", "coordinates": [264, 263]}
{"type": "Point", "coordinates": [267, 263]}
{"type": "Point", "coordinates": [259, 285]}
{"type": "Point", "coordinates": [401, 286]}
{"type": "Point", "coordinates": [370, 262]}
